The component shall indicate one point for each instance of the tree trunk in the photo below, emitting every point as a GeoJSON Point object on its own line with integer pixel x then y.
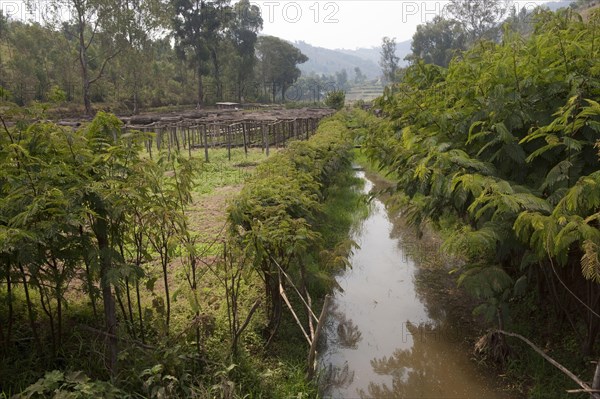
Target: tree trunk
{"type": "Point", "coordinates": [200, 87]}
{"type": "Point", "coordinates": [136, 106]}
{"type": "Point", "coordinates": [275, 305]}
{"type": "Point", "coordinates": [85, 79]}
{"type": "Point", "coordinates": [10, 304]}
{"type": "Point", "coordinates": [596, 380]}
{"type": "Point", "coordinates": [139, 306]}
{"type": "Point", "coordinates": [129, 306]}
{"type": "Point", "coordinates": [110, 315]}
{"type": "Point", "coordinates": [164, 258]}
{"type": "Point", "coordinates": [47, 307]}
{"type": "Point", "coordinates": [88, 276]}
{"type": "Point", "coordinates": [30, 313]}
{"type": "Point", "coordinates": [593, 324]}
{"type": "Point", "coordinates": [217, 73]}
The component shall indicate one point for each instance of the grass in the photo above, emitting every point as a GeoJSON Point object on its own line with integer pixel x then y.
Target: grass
{"type": "Point", "coordinates": [221, 172]}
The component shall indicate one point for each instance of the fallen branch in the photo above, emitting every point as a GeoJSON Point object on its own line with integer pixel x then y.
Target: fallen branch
{"type": "Point", "coordinates": [248, 317]}
{"type": "Point", "coordinates": [312, 353]}
{"type": "Point", "coordinates": [289, 305]}
{"type": "Point", "coordinates": [585, 387]}
{"type": "Point", "coordinates": [288, 278]}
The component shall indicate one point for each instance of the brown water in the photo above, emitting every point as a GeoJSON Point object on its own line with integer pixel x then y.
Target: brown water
{"type": "Point", "coordinates": [384, 339]}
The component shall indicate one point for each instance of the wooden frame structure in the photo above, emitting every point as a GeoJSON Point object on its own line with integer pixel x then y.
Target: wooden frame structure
{"type": "Point", "coordinates": [227, 129]}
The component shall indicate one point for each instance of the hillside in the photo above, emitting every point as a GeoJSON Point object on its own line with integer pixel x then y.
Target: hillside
{"type": "Point", "coordinates": [586, 7]}
{"type": "Point", "coordinates": [373, 53]}
{"type": "Point", "coordinates": [328, 62]}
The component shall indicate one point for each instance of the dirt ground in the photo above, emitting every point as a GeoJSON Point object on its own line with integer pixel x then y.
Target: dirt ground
{"type": "Point", "coordinates": [208, 213]}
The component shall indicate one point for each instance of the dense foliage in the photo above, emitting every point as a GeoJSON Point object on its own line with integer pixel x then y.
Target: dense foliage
{"type": "Point", "coordinates": [136, 55]}
{"type": "Point", "coordinates": [103, 275]}
{"type": "Point", "coordinates": [501, 150]}
{"type": "Point", "coordinates": [335, 99]}
{"type": "Point", "coordinates": [82, 210]}
{"type": "Point", "coordinates": [276, 218]}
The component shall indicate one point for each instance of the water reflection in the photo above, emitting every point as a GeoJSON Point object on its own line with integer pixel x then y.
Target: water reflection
{"type": "Point", "coordinates": [429, 369]}
{"type": "Point", "coordinates": [385, 336]}
{"type": "Point", "coordinates": [336, 377]}
{"type": "Point", "coordinates": [348, 335]}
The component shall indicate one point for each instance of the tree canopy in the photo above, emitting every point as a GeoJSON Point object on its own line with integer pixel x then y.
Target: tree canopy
{"type": "Point", "coordinates": [389, 60]}
{"type": "Point", "coordinates": [279, 63]}
{"type": "Point", "coordinates": [436, 42]}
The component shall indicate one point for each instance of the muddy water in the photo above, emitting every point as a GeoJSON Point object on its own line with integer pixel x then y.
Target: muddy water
{"type": "Point", "coordinates": [384, 339]}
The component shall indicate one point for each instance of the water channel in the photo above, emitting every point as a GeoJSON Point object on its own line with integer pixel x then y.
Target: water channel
{"type": "Point", "coordinates": [384, 339]}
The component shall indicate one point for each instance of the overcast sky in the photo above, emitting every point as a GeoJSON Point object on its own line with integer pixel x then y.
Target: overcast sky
{"type": "Point", "coordinates": [351, 24]}
{"type": "Point", "coordinates": [334, 24]}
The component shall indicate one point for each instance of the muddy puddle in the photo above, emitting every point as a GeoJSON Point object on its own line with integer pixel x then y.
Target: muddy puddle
{"type": "Point", "coordinates": [384, 338]}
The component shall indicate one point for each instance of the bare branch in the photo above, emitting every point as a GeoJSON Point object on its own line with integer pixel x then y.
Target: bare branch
{"type": "Point", "coordinates": [567, 372]}
{"type": "Point", "coordinates": [106, 60]}
{"type": "Point", "coordinates": [249, 317]}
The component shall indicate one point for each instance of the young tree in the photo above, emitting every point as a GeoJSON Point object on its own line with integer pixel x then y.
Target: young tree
{"type": "Point", "coordinates": [389, 59]}
{"type": "Point", "coordinates": [341, 80]}
{"type": "Point", "coordinates": [359, 77]}
{"type": "Point", "coordinates": [520, 21]}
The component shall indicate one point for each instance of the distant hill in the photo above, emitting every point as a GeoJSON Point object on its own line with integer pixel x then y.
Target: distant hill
{"type": "Point", "coordinates": [585, 7]}
{"type": "Point", "coordinates": [555, 5]}
{"type": "Point", "coordinates": [373, 54]}
{"type": "Point", "coordinates": [328, 62]}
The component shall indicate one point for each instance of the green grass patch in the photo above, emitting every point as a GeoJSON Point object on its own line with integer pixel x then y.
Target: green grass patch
{"type": "Point", "coordinates": [220, 171]}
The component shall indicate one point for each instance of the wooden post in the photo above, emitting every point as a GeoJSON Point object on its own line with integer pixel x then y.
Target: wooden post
{"type": "Point", "coordinates": [176, 137]}
{"type": "Point", "coordinates": [158, 138]}
{"type": "Point", "coordinates": [168, 142]}
{"type": "Point", "coordinates": [244, 138]}
{"type": "Point", "coordinates": [596, 380]}
{"type": "Point", "coordinates": [306, 124]}
{"type": "Point", "coordinates": [269, 128]}
{"type": "Point", "coordinates": [205, 143]}
{"type": "Point", "coordinates": [149, 143]}
{"type": "Point", "coordinates": [313, 346]}
{"type": "Point", "coordinates": [189, 140]}
{"type": "Point", "coordinates": [228, 137]}
{"type": "Point", "coordinates": [213, 136]}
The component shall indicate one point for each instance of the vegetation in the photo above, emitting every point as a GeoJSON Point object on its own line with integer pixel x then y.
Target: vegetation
{"type": "Point", "coordinates": [112, 286]}
{"type": "Point", "coordinates": [502, 147]}
{"type": "Point", "coordinates": [438, 41]}
{"type": "Point", "coordinates": [127, 61]}
{"type": "Point", "coordinates": [335, 99]}
{"type": "Point", "coordinates": [278, 63]}
{"type": "Point", "coordinates": [389, 59]}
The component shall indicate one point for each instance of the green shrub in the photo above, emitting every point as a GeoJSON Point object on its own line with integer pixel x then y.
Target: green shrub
{"type": "Point", "coordinates": [335, 99]}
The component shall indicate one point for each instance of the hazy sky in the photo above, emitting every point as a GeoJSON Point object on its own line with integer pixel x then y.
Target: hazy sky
{"type": "Point", "coordinates": [351, 23]}
{"type": "Point", "coordinates": [333, 24]}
